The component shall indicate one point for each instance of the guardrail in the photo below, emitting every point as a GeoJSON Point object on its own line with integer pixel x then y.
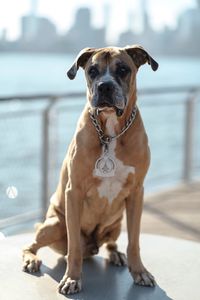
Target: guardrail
{"type": "Point", "coordinates": [191, 94]}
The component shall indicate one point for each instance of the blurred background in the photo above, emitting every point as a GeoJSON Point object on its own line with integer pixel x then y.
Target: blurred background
{"type": "Point", "coordinates": [39, 106]}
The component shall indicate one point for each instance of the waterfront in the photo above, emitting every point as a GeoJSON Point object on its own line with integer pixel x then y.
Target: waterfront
{"type": "Point", "coordinates": [20, 137]}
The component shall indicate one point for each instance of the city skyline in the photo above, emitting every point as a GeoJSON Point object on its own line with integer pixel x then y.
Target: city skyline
{"type": "Point", "coordinates": [103, 13]}
{"type": "Point", "coordinates": [40, 34]}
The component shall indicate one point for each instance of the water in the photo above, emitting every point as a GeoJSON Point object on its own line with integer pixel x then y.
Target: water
{"type": "Point", "coordinates": [26, 73]}
{"type": "Point", "coordinates": [21, 140]}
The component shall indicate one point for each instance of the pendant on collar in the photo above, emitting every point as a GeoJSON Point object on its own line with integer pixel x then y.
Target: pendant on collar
{"type": "Point", "coordinates": [105, 166]}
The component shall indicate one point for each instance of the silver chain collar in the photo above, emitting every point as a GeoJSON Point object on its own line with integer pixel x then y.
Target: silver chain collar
{"type": "Point", "coordinates": [105, 139]}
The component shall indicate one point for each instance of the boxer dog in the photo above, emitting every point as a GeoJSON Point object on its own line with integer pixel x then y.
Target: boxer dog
{"type": "Point", "coordinates": [103, 171]}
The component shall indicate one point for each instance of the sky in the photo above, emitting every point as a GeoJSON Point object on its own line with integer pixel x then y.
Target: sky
{"type": "Point", "coordinates": [117, 15]}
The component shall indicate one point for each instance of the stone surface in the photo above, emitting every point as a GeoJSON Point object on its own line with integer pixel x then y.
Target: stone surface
{"type": "Point", "coordinates": [175, 264]}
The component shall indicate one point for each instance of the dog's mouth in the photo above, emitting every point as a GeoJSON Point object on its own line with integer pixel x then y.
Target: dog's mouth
{"type": "Point", "coordinates": [118, 111]}
{"type": "Point", "coordinates": [109, 107]}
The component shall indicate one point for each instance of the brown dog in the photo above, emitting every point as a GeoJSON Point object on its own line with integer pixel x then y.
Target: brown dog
{"type": "Point", "coordinates": [103, 171]}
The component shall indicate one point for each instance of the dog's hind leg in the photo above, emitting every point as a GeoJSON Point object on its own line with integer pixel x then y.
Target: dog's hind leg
{"type": "Point", "coordinates": [47, 234]}
{"type": "Point", "coordinates": [114, 256]}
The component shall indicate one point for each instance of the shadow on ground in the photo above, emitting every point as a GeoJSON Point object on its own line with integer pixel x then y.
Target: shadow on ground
{"type": "Point", "coordinates": [104, 281]}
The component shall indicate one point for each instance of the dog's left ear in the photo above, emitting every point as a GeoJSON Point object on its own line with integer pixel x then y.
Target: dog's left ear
{"type": "Point", "coordinates": [140, 56]}
{"type": "Point", "coordinates": [80, 61]}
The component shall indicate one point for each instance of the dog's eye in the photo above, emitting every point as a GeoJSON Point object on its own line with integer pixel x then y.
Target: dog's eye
{"type": "Point", "coordinates": [93, 72]}
{"type": "Point", "coordinates": [122, 71]}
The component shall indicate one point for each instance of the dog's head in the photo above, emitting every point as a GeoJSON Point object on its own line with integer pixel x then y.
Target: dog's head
{"type": "Point", "coordinates": [110, 74]}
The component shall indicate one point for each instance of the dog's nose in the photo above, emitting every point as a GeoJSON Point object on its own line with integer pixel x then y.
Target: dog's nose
{"type": "Point", "coordinates": [105, 88]}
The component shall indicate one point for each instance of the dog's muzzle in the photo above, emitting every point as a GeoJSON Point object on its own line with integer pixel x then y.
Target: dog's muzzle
{"type": "Point", "coordinates": [107, 97]}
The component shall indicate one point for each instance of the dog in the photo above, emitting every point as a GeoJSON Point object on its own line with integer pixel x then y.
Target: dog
{"type": "Point", "coordinates": [103, 171]}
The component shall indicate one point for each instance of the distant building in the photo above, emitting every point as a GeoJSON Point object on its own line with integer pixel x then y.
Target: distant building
{"type": "Point", "coordinates": [34, 28]}
{"type": "Point", "coordinates": [147, 38]}
{"type": "Point", "coordinates": [127, 38]}
{"type": "Point", "coordinates": [37, 33]}
{"type": "Point", "coordinates": [29, 26]}
{"type": "Point", "coordinates": [189, 22]}
{"type": "Point", "coordinates": [188, 31]}
{"type": "Point", "coordinates": [46, 30]}
{"type": "Point", "coordinates": [145, 17]}
{"type": "Point", "coordinates": [29, 23]}
{"type": "Point", "coordinates": [3, 38]}
{"type": "Point", "coordinates": [82, 34]}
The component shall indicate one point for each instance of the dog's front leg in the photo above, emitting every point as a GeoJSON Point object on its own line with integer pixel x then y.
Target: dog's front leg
{"type": "Point", "coordinates": [134, 205]}
{"type": "Point", "coordinates": [71, 282]}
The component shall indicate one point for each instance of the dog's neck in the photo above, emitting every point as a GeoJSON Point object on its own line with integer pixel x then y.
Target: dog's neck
{"type": "Point", "coordinates": [110, 123]}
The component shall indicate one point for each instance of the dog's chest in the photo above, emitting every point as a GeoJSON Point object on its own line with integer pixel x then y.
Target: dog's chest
{"type": "Point", "coordinates": [111, 187]}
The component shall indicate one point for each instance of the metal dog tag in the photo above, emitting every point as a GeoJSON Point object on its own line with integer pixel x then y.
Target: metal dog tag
{"type": "Point", "coordinates": [105, 166]}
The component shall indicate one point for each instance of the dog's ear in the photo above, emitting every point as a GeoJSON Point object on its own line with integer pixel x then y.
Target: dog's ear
{"type": "Point", "coordinates": [80, 61]}
{"type": "Point", "coordinates": [140, 56]}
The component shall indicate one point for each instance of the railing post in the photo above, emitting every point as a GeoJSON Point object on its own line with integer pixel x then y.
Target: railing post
{"type": "Point", "coordinates": [189, 138]}
{"type": "Point", "coordinates": [45, 156]}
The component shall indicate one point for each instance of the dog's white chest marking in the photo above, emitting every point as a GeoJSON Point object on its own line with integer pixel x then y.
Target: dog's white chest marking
{"type": "Point", "coordinates": [110, 187]}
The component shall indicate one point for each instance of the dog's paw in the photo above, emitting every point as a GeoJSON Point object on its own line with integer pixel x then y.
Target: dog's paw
{"type": "Point", "coordinates": [31, 263]}
{"type": "Point", "coordinates": [117, 258]}
{"type": "Point", "coordinates": [69, 286]}
{"type": "Point", "coordinates": [144, 278]}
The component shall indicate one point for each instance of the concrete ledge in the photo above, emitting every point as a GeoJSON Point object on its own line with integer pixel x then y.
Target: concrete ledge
{"type": "Point", "coordinates": [175, 264]}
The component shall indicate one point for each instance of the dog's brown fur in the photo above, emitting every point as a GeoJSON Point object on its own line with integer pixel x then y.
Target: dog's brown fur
{"type": "Point", "coordinates": [79, 220]}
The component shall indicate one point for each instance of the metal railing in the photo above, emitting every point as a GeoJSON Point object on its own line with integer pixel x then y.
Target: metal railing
{"type": "Point", "coordinates": [190, 100]}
